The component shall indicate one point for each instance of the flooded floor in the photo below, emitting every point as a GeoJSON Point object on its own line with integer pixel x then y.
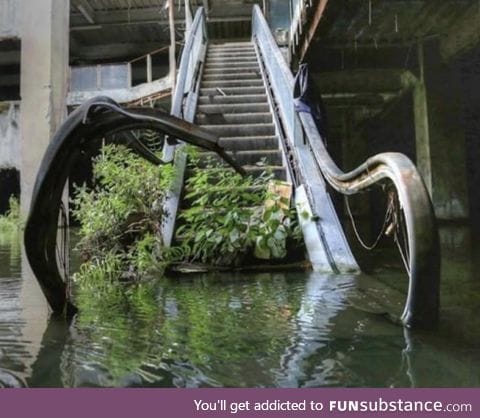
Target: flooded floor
{"type": "Point", "coordinates": [289, 329]}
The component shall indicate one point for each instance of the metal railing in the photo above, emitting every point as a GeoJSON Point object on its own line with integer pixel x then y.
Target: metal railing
{"type": "Point", "coordinates": [422, 246]}
{"type": "Point", "coordinates": [279, 73]}
{"type": "Point", "coordinates": [327, 245]}
{"type": "Point", "coordinates": [184, 102]}
{"type": "Point", "coordinates": [186, 90]}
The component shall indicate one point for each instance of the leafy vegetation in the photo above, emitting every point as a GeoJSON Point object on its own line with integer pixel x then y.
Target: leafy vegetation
{"type": "Point", "coordinates": [12, 218]}
{"type": "Point", "coordinates": [226, 219]}
{"type": "Point", "coordinates": [122, 215]}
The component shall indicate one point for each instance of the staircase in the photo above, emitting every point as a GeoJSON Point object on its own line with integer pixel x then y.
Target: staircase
{"type": "Point", "coordinates": [233, 104]}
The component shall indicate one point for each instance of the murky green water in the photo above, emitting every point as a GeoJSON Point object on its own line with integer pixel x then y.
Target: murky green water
{"type": "Point", "coordinates": [271, 329]}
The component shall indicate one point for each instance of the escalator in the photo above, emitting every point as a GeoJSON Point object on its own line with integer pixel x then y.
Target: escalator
{"type": "Point", "coordinates": [242, 92]}
{"type": "Point", "coordinates": [236, 99]}
{"type": "Point", "coordinates": [233, 105]}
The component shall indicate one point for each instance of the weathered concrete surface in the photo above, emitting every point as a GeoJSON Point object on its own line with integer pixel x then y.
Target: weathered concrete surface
{"type": "Point", "coordinates": [9, 19]}
{"type": "Point", "coordinates": [44, 72]}
{"type": "Point", "coordinates": [371, 81]}
{"type": "Point", "coordinates": [422, 133]}
{"type": "Point", "coordinates": [9, 135]}
{"type": "Point", "coordinates": [463, 35]}
{"type": "Point", "coordinates": [441, 157]}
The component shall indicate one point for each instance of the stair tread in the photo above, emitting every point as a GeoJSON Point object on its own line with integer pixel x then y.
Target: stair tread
{"type": "Point", "coordinates": [234, 108]}
{"type": "Point", "coordinates": [241, 99]}
{"type": "Point", "coordinates": [220, 71]}
{"type": "Point", "coordinates": [252, 75]}
{"type": "Point", "coordinates": [230, 63]}
{"type": "Point", "coordinates": [235, 115]}
{"type": "Point", "coordinates": [231, 44]}
{"type": "Point", "coordinates": [230, 53]}
{"type": "Point", "coordinates": [232, 91]}
{"type": "Point", "coordinates": [236, 125]}
{"type": "Point", "coordinates": [232, 83]}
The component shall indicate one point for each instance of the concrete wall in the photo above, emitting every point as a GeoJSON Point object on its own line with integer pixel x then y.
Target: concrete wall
{"type": "Point", "coordinates": [9, 135]}
{"type": "Point", "coordinates": [43, 88]}
{"type": "Point", "coordinates": [446, 165]}
{"type": "Point", "coordinates": [9, 19]}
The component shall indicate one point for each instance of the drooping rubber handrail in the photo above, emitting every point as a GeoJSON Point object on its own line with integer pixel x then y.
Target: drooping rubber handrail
{"type": "Point", "coordinates": [98, 118]}
{"type": "Point", "coordinates": [421, 307]}
{"type": "Point", "coordinates": [422, 303]}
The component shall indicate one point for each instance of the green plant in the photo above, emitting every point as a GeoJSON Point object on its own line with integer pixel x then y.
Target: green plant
{"type": "Point", "coordinates": [122, 215]}
{"type": "Point", "coordinates": [12, 218]}
{"type": "Point", "coordinates": [227, 217]}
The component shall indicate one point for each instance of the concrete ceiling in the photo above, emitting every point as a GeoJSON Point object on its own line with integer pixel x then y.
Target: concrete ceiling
{"type": "Point", "coordinates": [376, 23]}
{"type": "Point", "coordinates": [119, 30]}
{"type": "Point", "coordinates": [106, 30]}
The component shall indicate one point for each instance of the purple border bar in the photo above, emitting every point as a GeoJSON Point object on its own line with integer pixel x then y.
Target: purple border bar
{"type": "Point", "coordinates": [120, 403]}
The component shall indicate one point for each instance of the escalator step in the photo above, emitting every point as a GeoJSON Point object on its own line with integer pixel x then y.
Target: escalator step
{"type": "Point", "coordinates": [239, 99]}
{"type": "Point", "coordinates": [260, 158]}
{"type": "Point", "coordinates": [234, 130]}
{"type": "Point", "coordinates": [229, 70]}
{"type": "Point", "coordinates": [215, 65]}
{"type": "Point", "coordinates": [258, 82]}
{"type": "Point", "coordinates": [249, 142]}
{"type": "Point", "coordinates": [231, 91]}
{"type": "Point", "coordinates": [232, 118]}
{"type": "Point", "coordinates": [208, 109]}
{"type": "Point", "coordinates": [244, 75]}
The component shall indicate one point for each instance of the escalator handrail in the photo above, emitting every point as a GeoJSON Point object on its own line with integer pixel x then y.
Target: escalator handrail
{"type": "Point", "coordinates": [422, 303]}
{"type": "Point", "coordinates": [183, 106]}
{"type": "Point", "coordinates": [186, 61]}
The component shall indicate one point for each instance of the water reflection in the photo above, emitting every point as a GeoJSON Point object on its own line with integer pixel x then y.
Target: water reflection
{"type": "Point", "coordinates": [291, 329]}
{"type": "Point", "coordinates": [23, 313]}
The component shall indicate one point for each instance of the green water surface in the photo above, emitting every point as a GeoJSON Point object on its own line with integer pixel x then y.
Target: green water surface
{"type": "Point", "coordinates": [280, 329]}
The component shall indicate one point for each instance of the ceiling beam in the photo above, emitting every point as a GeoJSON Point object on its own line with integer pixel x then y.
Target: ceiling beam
{"type": "Point", "coordinates": [152, 15]}
{"type": "Point", "coordinates": [86, 10]}
{"type": "Point", "coordinates": [163, 22]}
{"type": "Point", "coordinates": [126, 15]}
{"type": "Point", "coordinates": [310, 33]}
{"type": "Point", "coordinates": [463, 35]}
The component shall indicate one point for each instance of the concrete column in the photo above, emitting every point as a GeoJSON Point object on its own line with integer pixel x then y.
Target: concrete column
{"type": "Point", "coordinates": [422, 133]}
{"type": "Point", "coordinates": [440, 136]}
{"type": "Point", "coordinates": [43, 83]}
{"type": "Point", "coordinates": [422, 130]}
